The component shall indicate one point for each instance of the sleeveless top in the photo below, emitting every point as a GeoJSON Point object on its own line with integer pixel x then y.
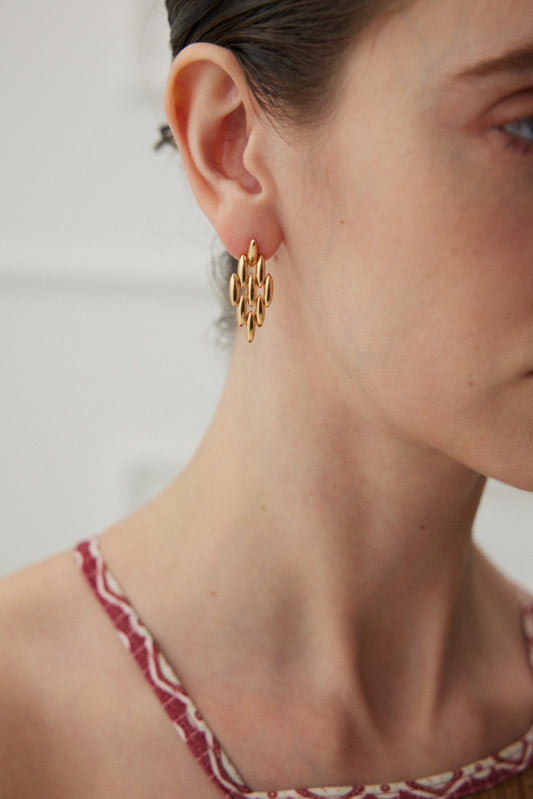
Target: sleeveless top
{"type": "Point", "coordinates": [507, 774]}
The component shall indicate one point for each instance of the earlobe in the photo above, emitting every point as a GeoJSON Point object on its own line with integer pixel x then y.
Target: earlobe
{"type": "Point", "coordinates": [216, 126]}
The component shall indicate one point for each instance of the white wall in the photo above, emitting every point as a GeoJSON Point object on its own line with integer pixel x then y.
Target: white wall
{"type": "Point", "coordinates": [108, 377]}
{"type": "Point", "coordinates": [108, 373]}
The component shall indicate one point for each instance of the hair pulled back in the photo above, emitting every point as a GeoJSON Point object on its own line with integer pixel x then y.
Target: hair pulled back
{"type": "Point", "coordinates": [289, 50]}
{"type": "Point", "coordinates": [291, 53]}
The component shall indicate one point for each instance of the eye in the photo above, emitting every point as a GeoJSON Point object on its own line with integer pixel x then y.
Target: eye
{"type": "Point", "coordinates": [519, 135]}
{"type": "Point", "coordinates": [522, 128]}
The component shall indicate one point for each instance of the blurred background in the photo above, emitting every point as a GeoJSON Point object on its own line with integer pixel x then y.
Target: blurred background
{"type": "Point", "coordinates": [108, 368]}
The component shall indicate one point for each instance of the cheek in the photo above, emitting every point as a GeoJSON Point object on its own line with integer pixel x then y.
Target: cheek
{"type": "Point", "coordinates": [433, 290]}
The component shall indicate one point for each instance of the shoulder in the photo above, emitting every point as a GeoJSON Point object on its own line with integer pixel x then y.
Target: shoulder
{"type": "Point", "coordinates": [77, 717]}
{"type": "Point", "coordinates": [39, 610]}
{"type": "Point", "coordinates": [46, 626]}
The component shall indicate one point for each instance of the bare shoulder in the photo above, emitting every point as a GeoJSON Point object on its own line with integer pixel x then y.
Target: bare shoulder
{"type": "Point", "coordinates": [78, 719]}
{"type": "Point", "coordinates": [39, 612]}
{"type": "Point", "coordinates": [46, 626]}
{"type": "Point", "coordinates": [27, 597]}
{"type": "Point", "coordinates": [36, 614]}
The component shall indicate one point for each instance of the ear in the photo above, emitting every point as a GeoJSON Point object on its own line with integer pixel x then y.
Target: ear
{"type": "Point", "coordinates": [223, 141]}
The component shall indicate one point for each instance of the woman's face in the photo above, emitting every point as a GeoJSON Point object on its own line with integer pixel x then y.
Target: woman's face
{"type": "Point", "coordinates": [420, 272]}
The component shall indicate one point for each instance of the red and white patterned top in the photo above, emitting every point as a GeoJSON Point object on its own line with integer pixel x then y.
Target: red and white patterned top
{"type": "Point", "coordinates": [195, 732]}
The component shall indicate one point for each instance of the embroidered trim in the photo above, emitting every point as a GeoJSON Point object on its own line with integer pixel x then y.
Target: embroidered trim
{"type": "Point", "coordinates": [207, 750]}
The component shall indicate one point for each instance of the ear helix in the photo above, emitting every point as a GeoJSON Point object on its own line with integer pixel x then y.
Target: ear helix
{"type": "Point", "coordinates": [251, 290]}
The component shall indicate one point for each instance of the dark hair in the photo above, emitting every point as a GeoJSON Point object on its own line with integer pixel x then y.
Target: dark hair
{"type": "Point", "coordinates": [290, 51]}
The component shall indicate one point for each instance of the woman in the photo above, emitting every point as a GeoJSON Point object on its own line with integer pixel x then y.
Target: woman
{"type": "Point", "coordinates": [311, 575]}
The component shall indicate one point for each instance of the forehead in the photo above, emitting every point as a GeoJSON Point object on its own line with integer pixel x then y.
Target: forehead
{"type": "Point", "coordinates": [442, 34]}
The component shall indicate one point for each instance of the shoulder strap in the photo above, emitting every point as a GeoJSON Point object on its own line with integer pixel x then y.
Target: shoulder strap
{"type": "Point", "coordinates": [185, 716]}
{"type": "Point", "coordinates": [491, 778]}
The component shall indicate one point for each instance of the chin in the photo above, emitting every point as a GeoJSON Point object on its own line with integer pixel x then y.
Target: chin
{"type": "Point", "coordinates": [519, 477]}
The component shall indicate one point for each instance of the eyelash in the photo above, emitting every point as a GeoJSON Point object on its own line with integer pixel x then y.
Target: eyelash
{"type": "Point", "coordinates": [516, 142]}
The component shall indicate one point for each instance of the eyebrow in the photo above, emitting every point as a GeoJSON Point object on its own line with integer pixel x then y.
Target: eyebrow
{"type": "Point", "coordinates": [515, 62]}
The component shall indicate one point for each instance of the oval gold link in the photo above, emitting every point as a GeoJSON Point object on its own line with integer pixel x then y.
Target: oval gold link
{"type": "Point", "coordinates": [252, 252]}
{"type": "Point", "coordinates": [250, 326]}
{"type": "Point", "coordinates": [241, 311]}
{"type": "Point", "coordinates": [242, 270]}
{"type": "Point", "coordinates": [234, 290]}
{"type": "Point", "coordinates": [269, 290]}
{"type": "Point", "coordinates": [252, 289]}
{"type": "Point", "coordinates": [260, 271]}
{"type": "Point", "coordinates": [260, 311]}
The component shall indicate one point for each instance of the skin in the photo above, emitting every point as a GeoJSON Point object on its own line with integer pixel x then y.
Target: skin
{"type": "Point", "coordinates": [316, 555]}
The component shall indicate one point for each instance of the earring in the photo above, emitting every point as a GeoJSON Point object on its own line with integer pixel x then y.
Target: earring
{"type": "Point", "coordinates": [251, 292]}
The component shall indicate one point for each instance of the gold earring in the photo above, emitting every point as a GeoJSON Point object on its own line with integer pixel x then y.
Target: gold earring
{"type": "Point", "coordinates": [251, 292]}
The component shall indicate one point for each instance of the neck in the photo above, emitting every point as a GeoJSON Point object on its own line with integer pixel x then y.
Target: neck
{"type": "Point", "coordinates": [332, 526]}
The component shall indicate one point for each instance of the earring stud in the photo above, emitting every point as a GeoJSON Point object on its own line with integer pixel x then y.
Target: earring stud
{"type": "Point", "coordinates": [251, 290]}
